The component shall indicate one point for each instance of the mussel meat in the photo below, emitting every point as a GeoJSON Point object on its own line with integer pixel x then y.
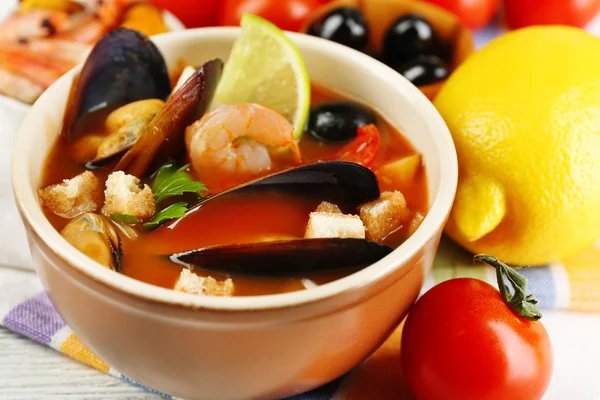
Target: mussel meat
{"type": "Point", "coordinates": [344, 183]}
{"type": "Point", "coordinates": [291, 257]}
{"type": "Point", "coordinates": [123, 67]}
{"type": "Point", "coordinates": [163, 138]}
{"type": "Point", "coordinates": [95, 236]}
{"type": "Point", "coordinates": [126, 124]}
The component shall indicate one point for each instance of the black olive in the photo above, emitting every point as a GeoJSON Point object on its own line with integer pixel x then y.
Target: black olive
{"type": "Point", "coordinates": [424, 70]}
{"type": "Point", "coordinates": [337, 122]}
{"type": "Point", "coordinates": [344, 25]}
{"type": "Point", "coordinates": [409, 37]}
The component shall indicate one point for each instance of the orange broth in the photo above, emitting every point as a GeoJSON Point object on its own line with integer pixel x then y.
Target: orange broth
{"type": "Point", "coordinates": [244, 218]}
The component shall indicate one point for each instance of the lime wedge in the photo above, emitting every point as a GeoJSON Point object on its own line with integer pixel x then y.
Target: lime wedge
{"type": "Point", "coordinates": [265, 68]}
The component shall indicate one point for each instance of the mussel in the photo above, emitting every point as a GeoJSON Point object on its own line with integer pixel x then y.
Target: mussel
{"type": "Point", "coordinates": [163, 138]}
{"type": "Point", "coordinates": [291, 257]}
{"type": "Point", "coordinates": [123, 67]}
{"type": "Point", "coordinates": [95, 236]}
{"type": "Point", "coordinates": [344, 183]}
{"type": "Point", "coordinates": [126, 124]}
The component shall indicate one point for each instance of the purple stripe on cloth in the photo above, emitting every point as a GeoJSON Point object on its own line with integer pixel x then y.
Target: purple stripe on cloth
{"type": "Point", "coordinates": [35, 318]}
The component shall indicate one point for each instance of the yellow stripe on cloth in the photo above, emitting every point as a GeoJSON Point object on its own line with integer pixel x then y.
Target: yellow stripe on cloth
{"type": "Point", "coordinates": [584, 279]}
{"type": "Point", "coordinates": [74, 348]}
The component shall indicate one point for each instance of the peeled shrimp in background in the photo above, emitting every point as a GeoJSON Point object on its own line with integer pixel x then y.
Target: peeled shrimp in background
{"type": "Point", "coordinates": [44, 39]}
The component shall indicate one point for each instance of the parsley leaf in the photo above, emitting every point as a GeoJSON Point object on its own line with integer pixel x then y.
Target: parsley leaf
{"type": "Point", "coordinates": [171, 181]}
{"type": "Point", "coordinates": [124, 218]}
{"type": "Point", "coordinates": [176, 210]}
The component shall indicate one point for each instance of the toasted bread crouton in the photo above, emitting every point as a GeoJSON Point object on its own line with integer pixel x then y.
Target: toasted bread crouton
{"type": "Point", "coordinates": [123, 195]}
{"type": "Point", "coordinates": [189, 282]}
{"type": "Point", "coordinates": [334, 225]}
{"type": "Point", "coordinates": [327, 207]}
{"type": "Point", "coordinates": [73, 197]}
{"type": "Point", "coordinates": [383, 216]}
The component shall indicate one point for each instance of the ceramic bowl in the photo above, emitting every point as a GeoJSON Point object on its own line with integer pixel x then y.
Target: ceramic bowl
{"type": "Point", "coordinates": [199, 347]}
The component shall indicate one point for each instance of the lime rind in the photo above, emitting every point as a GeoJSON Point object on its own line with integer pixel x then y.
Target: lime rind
{"type": "Point", "coordinates": [265, 67]}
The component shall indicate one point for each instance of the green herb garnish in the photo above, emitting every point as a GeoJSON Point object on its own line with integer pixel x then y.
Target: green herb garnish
{"type": "Point", "coordinates": [124, 218]}
{"type": "Point", "coordinates": [171, 181]}
{"type": "Point", "coordinates": [176, 210]}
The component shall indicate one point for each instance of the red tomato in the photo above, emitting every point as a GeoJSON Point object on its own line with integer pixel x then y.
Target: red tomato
{"type": "Point", "coordinates": [461, 341]}
{"type": "Point", "coordinates": [521, 13]}
{"type": "Point", "coordinates": [288, 15]}
{"type": "Point", "coordinates": [194, 13]}
{"type": "Point", "coordinates": [473, 14]}
{"type": "Point", "coordinates": [363, 149]}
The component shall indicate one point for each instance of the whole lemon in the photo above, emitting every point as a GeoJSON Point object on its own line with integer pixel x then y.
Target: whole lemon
{"type": "Point", "coordinates": [524, 113]}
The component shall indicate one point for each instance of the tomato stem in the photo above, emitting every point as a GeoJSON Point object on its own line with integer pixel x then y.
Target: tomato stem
{"type": "Point", "coordinates": [519, 301]}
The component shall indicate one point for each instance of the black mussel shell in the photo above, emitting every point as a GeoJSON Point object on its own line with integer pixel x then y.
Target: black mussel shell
{"type": "Point", "coordinates": [163, 139]}
{"type": "Point", "coordinates": [409, 37]}
{"type": "Point", "coordinates": [343, 183]}
{"type": "Point", "coordinates": [338, 122]}
{"type": "Point", "coordinates": [344, 25]}
{"type": "Point", "coordinates": [291, 257]}
{"type": "Point", "coordinates": [424, 70]}
{"type": "Point", "coordinates": [123, 67]}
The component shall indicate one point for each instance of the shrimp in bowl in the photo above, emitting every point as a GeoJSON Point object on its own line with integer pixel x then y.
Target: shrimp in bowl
{"type": "Point", "coordinates": [240, 141]}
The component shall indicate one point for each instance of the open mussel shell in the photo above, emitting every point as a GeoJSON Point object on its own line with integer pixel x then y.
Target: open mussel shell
{"type": "Point", "coordinates": [163, 139]}
{"type": "Point", "coordinates": [343, 183]}
{"type": "Point", "coordinates": [95, 236]}
{"type": "Point", "coordinates": [290, 257]}
{"type": "Point", "coordinates": [126, 124]}
{"type": "Point", "coordinates": [123, 67]}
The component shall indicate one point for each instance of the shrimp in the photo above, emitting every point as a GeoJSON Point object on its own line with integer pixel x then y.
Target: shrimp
{"type": "Point", "coordinates": [238, 141]}
{"type": "Point", "coordinates": [109, 11]}
{"type": "Point", "coordinates": [87, 29]}
{"type": "Point", "coordinates": [61, 50]}
{"type": "Point", "coordinates": [33, 24]}
{"type": "Point", "coordinates": [41, 70]}
{"type": "Point", "coordinates": [19, 88]}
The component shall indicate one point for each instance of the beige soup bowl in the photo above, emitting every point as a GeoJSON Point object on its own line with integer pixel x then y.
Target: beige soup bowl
{"type": "Point", "coordinates": [199, 347]}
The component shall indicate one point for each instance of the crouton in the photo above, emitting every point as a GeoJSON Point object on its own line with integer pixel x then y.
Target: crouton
{"type": "Point", "coordinates": [189, 282]}
{"type": "Point", "coordinates": [123, 195]}
{"type": "Point", "coordinates": [73, 197]}
{"type": "Point", "coordinates": [385, 215]}
{"type": "Point", "coordinates": [334, 225]}
{"type": "Point", "coordinates": [328, 208]}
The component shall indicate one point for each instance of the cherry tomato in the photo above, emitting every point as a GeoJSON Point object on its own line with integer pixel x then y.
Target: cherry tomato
{"type": "Point", "coordinates": [462, 341]}
{"type": "Point", "coordinates": [473, 14]}
{"type": "Point", "coordinates": [520, 13]}
{"type": "Point", "coordinates": [363, 149]}
{"type": "Point", "coordinates": [192, 13]}
{"type": "Point", "coordinates": [288, 15]}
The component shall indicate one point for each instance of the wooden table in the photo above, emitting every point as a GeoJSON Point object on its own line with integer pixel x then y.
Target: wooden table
{"type": "Point", "coordinates": [30, 371]}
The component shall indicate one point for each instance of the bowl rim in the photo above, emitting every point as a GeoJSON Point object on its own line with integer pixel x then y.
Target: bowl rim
{"type": "Point", "coordinates": [32, 214]}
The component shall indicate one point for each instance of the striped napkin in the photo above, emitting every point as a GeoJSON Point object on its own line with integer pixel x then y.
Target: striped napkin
{"type": "Point", "coordinates": [25, 308]}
